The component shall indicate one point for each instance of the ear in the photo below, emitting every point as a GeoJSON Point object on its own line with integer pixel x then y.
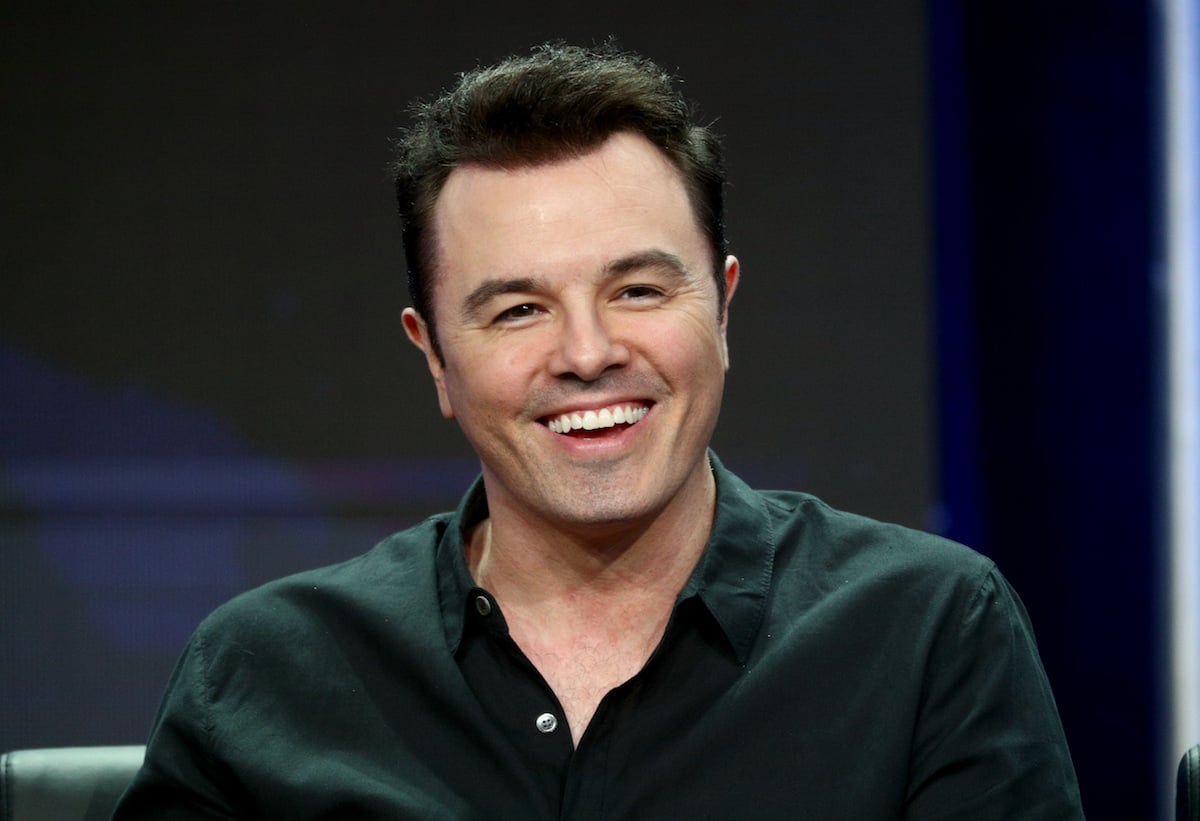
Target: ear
{"type": "Point", "coordinates": [418, 334]}
{"type": "Point", "coordinates": [732, 277]}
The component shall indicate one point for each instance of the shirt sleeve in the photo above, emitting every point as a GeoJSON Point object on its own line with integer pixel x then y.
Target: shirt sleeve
{"type": "Point", "coordinates": [989, 743]}
{"type": "Point", "coordinates": [181, 777]}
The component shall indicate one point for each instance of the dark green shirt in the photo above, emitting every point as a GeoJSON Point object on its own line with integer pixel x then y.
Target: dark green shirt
{"type": "Point", "coordinates": [817, 665]}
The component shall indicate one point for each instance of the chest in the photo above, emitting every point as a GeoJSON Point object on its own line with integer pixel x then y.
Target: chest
{"type": "Point", "coordinates": [582, 668]}
{"type": "Point", "coordinates": [690, 733]}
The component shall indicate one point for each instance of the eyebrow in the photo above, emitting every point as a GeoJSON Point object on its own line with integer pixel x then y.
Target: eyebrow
{"type": "Point", "coordinates": [652, 258]}
{"type": "Point", "coordinates": [491, 288]}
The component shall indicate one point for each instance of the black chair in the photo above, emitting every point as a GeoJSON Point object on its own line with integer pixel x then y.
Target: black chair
{"type": "Point", "coordinates": [1187, 787]}
{"type": "Point", "coordinates": [65, 783]}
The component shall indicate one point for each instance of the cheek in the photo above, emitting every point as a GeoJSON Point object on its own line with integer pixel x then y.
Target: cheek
{"type": "Point", "coordinates": [488, 383]}
{"type": "Point", "coordinates": [695, 348]}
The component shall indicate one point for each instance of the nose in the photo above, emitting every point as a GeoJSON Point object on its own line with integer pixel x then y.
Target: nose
{"type": "Point", "coordinates": [586, 347]}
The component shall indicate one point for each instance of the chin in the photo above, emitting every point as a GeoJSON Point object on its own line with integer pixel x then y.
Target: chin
{"type": "Point", "coordinates": [595, 511]}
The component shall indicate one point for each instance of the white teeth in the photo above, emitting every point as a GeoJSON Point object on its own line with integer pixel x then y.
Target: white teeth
{"type": "Point", "coordinates": [594, 420]}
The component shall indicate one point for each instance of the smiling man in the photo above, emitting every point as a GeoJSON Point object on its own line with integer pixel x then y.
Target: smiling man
{"type": "Point", "coordinates": [570, 295]}
{"type": "Point", "coordinates": [611, 625]}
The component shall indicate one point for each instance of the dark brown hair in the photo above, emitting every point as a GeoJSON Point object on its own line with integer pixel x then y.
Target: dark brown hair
{"type": "Point", "coordinates": [533, 109]}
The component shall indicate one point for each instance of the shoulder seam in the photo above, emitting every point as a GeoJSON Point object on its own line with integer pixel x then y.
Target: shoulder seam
{"type": "Point", "coordinates": [206, 694]}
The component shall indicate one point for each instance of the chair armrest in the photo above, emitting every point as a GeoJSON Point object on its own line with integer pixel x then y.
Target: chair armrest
{"type": "Point", "coordinates": [1187, 786]}
{"type": "Point", "coordinates": [65, 783]}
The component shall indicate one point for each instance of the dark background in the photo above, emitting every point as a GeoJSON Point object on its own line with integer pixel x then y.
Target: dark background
{"type": "Point", "coordinates": [945, 218]}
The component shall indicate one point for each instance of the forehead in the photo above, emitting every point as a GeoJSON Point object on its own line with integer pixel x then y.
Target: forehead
{"type": "Point", "coordinates": [568, 216]}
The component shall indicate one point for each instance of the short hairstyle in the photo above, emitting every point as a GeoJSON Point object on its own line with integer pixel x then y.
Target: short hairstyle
{"type": "Point", "coordinates": [528, 110]}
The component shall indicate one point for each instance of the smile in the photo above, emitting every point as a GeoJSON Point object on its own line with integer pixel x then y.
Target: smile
{"type": "Point", "coordinates": [597, 419]}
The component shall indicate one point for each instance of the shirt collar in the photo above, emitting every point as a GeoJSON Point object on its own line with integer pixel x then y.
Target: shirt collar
{"type": "Point", "coordinates": [733, 575]}
{"type": "Point", "coordinates": [732, 578]}
{"type": "Point", "coordinates": [455, 585]}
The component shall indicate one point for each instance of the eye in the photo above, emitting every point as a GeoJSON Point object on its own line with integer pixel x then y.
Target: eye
{"type": "Point", "coordinates": [640, 292]}
{"type": "Point", "coordinates": [518, 312]}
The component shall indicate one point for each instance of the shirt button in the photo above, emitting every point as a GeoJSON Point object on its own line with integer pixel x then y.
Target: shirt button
{"type": "Point", "coordinates": [546, 723]}
{"type": "Point", "coordinates": [482, 606]}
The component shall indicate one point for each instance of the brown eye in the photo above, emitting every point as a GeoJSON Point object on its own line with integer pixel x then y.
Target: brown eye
{"type": "Point", "coordinates": [640, 292]}
{"type": "Point", "coordinates": [522, 311]}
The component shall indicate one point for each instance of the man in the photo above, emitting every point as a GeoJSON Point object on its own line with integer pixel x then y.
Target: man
{"type": "Point", "coordinates": [611, 625]}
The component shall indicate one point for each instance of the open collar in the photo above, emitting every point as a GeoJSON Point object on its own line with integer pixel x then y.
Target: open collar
{"type": "Point", "coordinates": [732, 577]}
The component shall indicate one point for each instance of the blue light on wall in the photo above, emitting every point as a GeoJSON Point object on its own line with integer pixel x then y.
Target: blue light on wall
{"type": "Point", "coordinates": [1182, 221]}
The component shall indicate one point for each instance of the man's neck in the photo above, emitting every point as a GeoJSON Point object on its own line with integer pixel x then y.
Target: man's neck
{"type": "Point", "coordinates": [535, 565]}
{"type": "Point", "coordinates": [589, 608]}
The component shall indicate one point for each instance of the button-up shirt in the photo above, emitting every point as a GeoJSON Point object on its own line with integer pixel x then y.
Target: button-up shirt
{"type": "Point", "coordinates": [816, 665]}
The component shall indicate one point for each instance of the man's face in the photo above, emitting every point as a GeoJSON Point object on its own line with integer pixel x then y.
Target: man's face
{"type": "Point", "coordinates": [579, 293]}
